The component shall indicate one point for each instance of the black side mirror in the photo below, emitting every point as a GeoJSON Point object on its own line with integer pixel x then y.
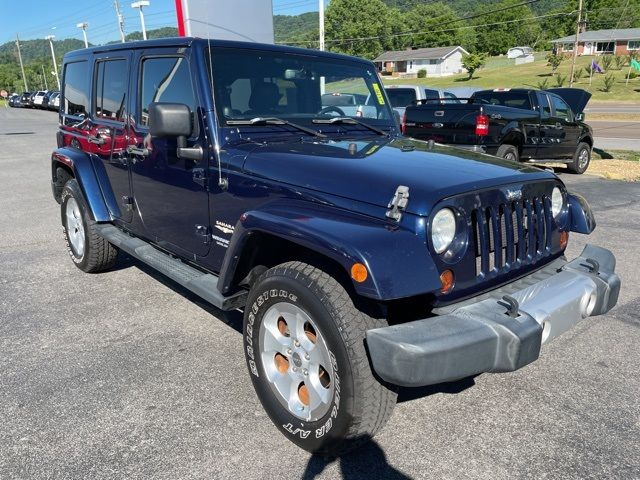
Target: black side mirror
{"type": "Point", "coordinates": [579, 117]}
{"type": "Point", "coordinates": [169, 120]}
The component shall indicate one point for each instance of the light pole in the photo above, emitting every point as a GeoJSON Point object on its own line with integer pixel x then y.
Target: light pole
{"type": "Point", "coordinates": [53, 57]}
{"type": "Point", "coordinates": [139, 5]}
{"type": "Point", "coordinates": [321, 29]}
{"type": "Point", "coordinates": [84, 26]}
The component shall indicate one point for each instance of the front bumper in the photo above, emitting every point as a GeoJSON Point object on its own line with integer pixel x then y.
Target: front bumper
{"type": "Point", "coordinates": [501, 331]}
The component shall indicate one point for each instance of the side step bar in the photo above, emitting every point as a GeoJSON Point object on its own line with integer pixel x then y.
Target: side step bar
{"type": "Point", "coordinates": [204, 285]}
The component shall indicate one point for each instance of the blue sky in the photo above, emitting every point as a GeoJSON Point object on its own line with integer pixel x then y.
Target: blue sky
{"type": "Point", "coordinates": [39, 18]}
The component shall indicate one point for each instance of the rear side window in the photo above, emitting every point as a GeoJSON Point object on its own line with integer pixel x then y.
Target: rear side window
{"type": "Point", "coordinates": [165, 79]}
{"type": "Point", "coordinates": [506, 99]}
{"type": "Point", "coordinates": [401, 97]}
{"type": "Point", "coordinates": [111, 89]}
{"type": "Point", "coordinates": [75, 89]}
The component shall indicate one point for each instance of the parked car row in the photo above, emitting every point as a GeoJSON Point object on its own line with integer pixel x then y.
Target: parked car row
{"type": "Point", "coordinates": [42, 99]}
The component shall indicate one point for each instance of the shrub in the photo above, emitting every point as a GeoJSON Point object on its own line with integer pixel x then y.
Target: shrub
{"type": "Point", "coordinates": [472, 62]}
{"type": "Point", "coordinates": [560, 79]}
{"type": "Point", "coordinates": [422, 73]}
{"type": "Point", "coordinates": [588, 69]}
{"type": "Point", "coordinates": [608, 82]}
{"type": "Point", "coordinates": [620, 61]}
{"type": "Point", "coordinates": [633, 75]}
{"type": "Point", "coordinates": [544, 84]}
{"type": "Point", "coordinates": [554, 61]}
{"type": "Point", "coordinates": [606, 61]}
{"type": "Point", "coordinates": [577, 75]}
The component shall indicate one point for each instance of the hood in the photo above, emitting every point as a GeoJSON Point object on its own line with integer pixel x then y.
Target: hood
{"type": "Point", "coordinates": [370, 171]}
{"type": "Point", "coordinates": [576, 98]}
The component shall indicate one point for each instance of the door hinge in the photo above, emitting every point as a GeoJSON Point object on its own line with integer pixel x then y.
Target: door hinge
{"type": "Point", "coordinates": [199, 176]}
{"type": "Point", "coordinates": [204, 232]}
{"type": "Point", "coordinates": [127, 202]}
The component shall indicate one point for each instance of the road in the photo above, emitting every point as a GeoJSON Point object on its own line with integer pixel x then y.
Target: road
{"type": "Point", "coordinates": [606, 107]}
{"type": "Point", "coordinates": [126, 375]}
{"type": "Point", "coordinates": [616, 134]}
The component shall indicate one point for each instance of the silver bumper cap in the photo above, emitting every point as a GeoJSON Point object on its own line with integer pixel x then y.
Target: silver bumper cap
{"type": "Point", "coordinates": [498, 332]}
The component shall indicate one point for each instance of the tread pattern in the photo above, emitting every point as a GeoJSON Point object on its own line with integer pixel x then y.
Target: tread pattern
{"type": "Point", "coordinates": [373, 400]}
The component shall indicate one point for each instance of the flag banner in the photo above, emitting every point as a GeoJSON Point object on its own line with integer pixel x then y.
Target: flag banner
{"type": "Point", "coordinates": [635, 65]}
{"type": "Point", "coordinates": [595, 67]}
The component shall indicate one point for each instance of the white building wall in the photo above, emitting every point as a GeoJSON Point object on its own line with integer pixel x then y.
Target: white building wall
{"type": "Point", "coordinates": [438, 68]}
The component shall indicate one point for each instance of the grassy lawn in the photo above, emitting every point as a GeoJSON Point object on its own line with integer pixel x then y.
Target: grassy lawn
{"type": "Point", "coordinates": [502, 72]}
{"type": "Point", "coordinates": [611, 164]}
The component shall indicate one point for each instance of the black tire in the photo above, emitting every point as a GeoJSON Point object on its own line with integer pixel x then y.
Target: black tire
{"type": "Point", "coordinates": [579, 165]}
{"type": "Point", "coordinates": [508, 152]}
{"type": "Point", "coordinates": [97, 254]}
{"type": "Point", "coordinates": [361, 404]}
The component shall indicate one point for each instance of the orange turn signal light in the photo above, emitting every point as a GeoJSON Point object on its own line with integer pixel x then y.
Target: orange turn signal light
{"type": "Point", "coordinates": [564, 239]}
{"type": "Point", "coordinates": [359, 272]}
{"type": "Point", "coordinates": [446, 281]}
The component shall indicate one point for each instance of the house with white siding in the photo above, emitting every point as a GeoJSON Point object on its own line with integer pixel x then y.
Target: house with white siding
{"type": "Point", "coordinates": [437, 61]}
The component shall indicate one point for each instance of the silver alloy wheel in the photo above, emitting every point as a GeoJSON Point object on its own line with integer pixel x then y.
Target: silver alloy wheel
{"type": "Point", "coordinates": [510, 156]}
{"type": "Point", "coordinates": [75, 227]}
{"type": "Point", "coordinates": [296, 361]}
{"type": "Point", "coordinates": [583, 158]}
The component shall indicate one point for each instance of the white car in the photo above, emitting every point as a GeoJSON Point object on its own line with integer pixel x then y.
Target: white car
{"type": "Point", "coordinates": [516, 52]}
{"type": "Point", "coordinates": [39, 96]}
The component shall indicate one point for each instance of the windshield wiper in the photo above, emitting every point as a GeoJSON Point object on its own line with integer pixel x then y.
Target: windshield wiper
{"type": "Point", "coordinates": [275, 121]}
{"type": "Point", "coordinates": [351, 121]}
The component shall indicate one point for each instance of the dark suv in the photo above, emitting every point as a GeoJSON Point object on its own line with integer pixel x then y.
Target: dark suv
{"type": "Point", "coordinates": [362, 260]}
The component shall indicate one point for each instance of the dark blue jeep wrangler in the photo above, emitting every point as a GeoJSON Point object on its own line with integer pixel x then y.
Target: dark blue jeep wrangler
{"type": "Point", "coordinates": [275, 180]}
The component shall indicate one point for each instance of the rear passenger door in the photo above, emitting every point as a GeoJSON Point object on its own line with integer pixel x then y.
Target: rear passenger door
{"type": "Point", "coordinates": [108, 127]}
{"type": "Point", "coordinates": [170, 197]}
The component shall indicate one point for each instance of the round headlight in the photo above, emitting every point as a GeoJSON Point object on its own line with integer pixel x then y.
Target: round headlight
{"type": "Point", "coordinates": [557, 201]}
{"type": "Point", "coordinates": [443, 230]}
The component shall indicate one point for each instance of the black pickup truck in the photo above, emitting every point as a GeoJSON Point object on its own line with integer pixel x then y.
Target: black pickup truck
{"type": "Point", "coordinates": [516, 124]}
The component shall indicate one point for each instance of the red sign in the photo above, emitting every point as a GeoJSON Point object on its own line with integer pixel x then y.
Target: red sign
{"type": "Point", "coordinates": [4, 94]}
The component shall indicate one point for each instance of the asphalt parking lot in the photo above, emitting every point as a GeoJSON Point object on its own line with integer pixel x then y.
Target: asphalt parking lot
{"type": "Point", "coordinates": [125, 375]}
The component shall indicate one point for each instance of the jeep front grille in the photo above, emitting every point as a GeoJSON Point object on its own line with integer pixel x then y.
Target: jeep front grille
{"type": "Point", "coordinates": [511, 234]}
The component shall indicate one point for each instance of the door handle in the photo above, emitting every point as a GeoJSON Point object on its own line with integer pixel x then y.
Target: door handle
{"type": "Point", "coordinates": [133, 150]}
{"type": "Point", "coordinates": [96, 140]}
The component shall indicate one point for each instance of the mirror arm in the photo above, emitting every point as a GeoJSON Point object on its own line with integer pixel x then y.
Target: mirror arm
{"type": "Point", "coordinates": [194, 153]}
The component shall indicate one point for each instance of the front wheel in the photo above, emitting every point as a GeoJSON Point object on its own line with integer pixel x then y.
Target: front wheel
{"type": "Point", "coordinates": [305, 349]}
{"type": "Point", "coordinates": [581, 159]}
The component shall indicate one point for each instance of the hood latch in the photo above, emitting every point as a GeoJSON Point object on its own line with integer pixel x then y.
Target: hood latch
{"type": "Point", "coordinates": [398, 203]}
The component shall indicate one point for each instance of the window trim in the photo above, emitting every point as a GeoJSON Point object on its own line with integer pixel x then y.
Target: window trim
{"type": "Point", "coordinates": [629, 42]}
{"type": "Point", "coordinates": [94, 87]}
{"type": "Point", "coordinates": [64, 87]}
{"type": "Point", "coordinates": [138, 107]}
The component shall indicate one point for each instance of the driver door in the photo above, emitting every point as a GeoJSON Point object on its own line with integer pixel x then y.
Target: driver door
{"type": "Point", "coordinates": [171, 198]}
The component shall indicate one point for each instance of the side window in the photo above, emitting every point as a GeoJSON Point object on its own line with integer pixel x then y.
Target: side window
{"type": "Point", "coordinates": [561, 108]}
{"type": "Point", "coordinates": [165, 79]}
{"type": "Point", "coordinates": [111, 89]}
{"type": "Point", "coordinates": [545, 107]}
{"type": "Point", "coordinates": [75, 89]}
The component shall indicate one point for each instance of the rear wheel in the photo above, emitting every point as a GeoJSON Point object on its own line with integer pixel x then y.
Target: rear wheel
{"type": "Point", "coordinates": [304, 345]}
{"type": "Point", "coordinates": [581, 159]}
{"type": "Point", "coordinates": [508, 152]}
{"type": "Point", "coordinates": [88, 250]}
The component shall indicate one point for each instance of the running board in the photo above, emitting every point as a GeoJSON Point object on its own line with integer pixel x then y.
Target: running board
{"type": "Point", "coordinates": [204, 285]}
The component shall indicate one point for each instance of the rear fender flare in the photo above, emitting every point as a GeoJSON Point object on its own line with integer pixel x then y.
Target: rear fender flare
{"type": "Point", "coordinates": [83, 171]}
{"type": "Point", "coordinates": [397, 259]}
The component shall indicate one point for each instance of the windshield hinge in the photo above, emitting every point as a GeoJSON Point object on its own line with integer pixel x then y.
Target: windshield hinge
{"type": "Point", "coordinates": [398, 203]}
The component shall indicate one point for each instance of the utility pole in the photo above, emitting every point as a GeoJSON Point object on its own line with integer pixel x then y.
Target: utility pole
{"type": "Point", "coordinates": [53, 57]}
{"type": "Point", "coordinates": [139, 5]}
{"type": "Point", "coordinates": [575, 44]}
{"type": "Point", "coordinates": [84, 26]}
{"type": "Point", "coordinates": [24, 77]}
{"type": "Point", "coordinates": [116, 4]}
{"type": "Point", "coordinates": [321, 16]}
{"type": "Point", "coordinates": [46, 86]}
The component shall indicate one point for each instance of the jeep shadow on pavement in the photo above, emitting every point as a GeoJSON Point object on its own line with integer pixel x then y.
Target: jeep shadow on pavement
{"type": "Point", "coordinates": [217, 164]}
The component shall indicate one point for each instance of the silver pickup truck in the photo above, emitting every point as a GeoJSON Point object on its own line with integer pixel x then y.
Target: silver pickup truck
{"type": "Point", "coordinates": [402, 95]}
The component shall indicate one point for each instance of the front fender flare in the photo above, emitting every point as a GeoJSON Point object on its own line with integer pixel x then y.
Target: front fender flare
{"type": "Point", "coordinates": [582, 219]}
{"type": "Point", "coordinates": [397, 259]}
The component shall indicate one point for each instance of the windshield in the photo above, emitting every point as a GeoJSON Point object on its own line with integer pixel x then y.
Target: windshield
{"type": "Point", "coordinates": [298, 88]}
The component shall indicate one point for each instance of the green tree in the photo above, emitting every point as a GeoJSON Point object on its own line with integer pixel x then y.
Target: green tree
{"type": "Point", "coordinates": [436, 24]}
{"type": "Point", "coordinates": [509, 28]}
{"type": "Point", "coordinates": [346, 20]}
{"type": "Point", "coordinates": [472, 62]}
{"type": "Point", "coordinates": [554, 60]}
